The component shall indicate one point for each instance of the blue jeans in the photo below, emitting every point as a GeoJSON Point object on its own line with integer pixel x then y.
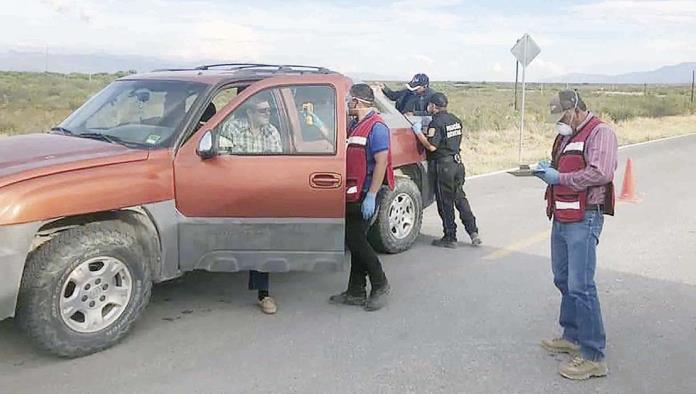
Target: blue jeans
{"type": "Point", "coordinates": [573, 260]}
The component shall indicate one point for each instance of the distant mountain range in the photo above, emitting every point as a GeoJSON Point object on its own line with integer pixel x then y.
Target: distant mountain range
{"type": "Point", "coordinates": [102, 62]}
{"type": "Point", "coordinates": [96, 63]}
{"type": "Point", "coordinates": [86, 63]}
{"type": "Point", "coordinates": [675, 74]}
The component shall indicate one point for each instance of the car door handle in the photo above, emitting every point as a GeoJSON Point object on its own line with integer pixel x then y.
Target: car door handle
{"type": "Point", "coordinates": [325, 180]}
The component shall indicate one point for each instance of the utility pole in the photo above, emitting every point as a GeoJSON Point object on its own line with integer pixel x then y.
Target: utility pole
{"type": "Point", "coordinates": [693, 81]}
{"type": "Point", "coordinates": [517, 70]}
{"type": "Point", "coordinates": [524, 81]}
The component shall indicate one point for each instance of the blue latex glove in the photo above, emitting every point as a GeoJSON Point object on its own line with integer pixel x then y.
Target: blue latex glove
{"type": "Point", "coordinates": [549, 175]}
{"type": "Point", "coordinates": [368, 205]}
{"type": "Point", "coordinates": [417, 127]}
{"type": "Point", "coordinates": [541, 168]}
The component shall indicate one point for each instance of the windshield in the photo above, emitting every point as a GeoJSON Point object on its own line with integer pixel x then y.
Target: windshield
{"type": "Point", "coordinates": [145, 113]}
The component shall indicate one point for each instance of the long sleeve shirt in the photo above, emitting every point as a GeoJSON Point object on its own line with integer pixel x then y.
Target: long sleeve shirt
{"type": "Point", "coordinates": [408, 101]}
{"type": "Point", "coordinates": [601, 151]}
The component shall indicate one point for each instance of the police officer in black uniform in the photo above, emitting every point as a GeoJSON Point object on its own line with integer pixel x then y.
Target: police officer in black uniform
{"type": "Point", "coordinates": [443, 140]}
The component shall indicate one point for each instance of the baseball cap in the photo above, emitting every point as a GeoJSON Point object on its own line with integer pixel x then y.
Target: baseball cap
{"type": "Point", "coordinates": [438, 99]}
{"type": "Point", "coordinates": [417, 81]}
{"type": "Point", "coordinates": [563, 101]}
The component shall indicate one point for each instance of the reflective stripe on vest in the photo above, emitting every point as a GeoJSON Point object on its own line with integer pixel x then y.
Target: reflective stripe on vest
{"type": "Point", "coordinates": [356, 140]}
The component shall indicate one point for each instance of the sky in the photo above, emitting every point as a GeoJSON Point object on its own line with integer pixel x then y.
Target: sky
{"type": "Point", "coordinates": [447, 39]}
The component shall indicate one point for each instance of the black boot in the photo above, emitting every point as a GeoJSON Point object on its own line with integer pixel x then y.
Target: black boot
{"type": "Point", "coordinates": [347, 298]}
{"type": "Point", "coordinates": [445, 242]}
{"type": "Point", "coordinates": [475, 239]}
{"type": "Point", "coordinates": [378, 297]}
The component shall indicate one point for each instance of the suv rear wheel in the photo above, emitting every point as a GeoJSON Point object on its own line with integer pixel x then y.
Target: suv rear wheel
{"type": "Point", "coordinates": [82, 290]}
{"type": "Point", "coordinates": [399, 219]}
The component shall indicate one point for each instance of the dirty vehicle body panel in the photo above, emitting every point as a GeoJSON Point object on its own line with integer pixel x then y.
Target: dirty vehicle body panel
{"type": "Point", "coordinates": [228, 212]}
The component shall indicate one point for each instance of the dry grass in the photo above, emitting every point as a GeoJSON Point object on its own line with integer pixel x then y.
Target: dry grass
{"type": "Point", "coordinates": [492, 150]}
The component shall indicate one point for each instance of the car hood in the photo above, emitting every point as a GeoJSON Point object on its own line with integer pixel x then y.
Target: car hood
{"type": "Point", "coordinates": [35, 155]}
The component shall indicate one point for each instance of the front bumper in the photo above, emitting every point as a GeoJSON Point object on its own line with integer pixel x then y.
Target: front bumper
{"type": "Point", "coordinates": [15, 242]}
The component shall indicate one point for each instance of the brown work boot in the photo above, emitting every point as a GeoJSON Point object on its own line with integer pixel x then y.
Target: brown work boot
{"type": "Point", "coordinates": [581, 369]}
{"type": "Point", "coordinates": [268, 305]}
{"type": "Point", "coordinates": [560, 345]}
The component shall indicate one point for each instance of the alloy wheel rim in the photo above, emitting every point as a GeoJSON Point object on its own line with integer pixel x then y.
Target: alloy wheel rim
{"type": "Point", "coordinates": [95, 294]}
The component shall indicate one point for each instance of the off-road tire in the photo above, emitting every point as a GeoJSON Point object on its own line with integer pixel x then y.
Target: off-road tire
{"type": "Point", "coordinates": [380, 235]}
{"type": "Point", "coordinates": [49, 266]}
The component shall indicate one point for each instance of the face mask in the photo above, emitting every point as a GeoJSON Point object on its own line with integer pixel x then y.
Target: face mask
{"type": "Point", "coordinates": [563, 129]}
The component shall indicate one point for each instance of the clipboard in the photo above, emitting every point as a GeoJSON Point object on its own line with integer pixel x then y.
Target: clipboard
{"type": "Point", "coordinates": [525, 170]}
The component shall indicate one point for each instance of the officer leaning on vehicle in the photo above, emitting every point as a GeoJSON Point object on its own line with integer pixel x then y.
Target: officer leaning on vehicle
{"type": "Point", "coordinates": [447, 172]}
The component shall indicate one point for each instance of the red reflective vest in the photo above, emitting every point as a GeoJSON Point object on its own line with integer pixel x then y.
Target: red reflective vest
{"type": "Point", "coordinates": [356, 159]}
{"type": "Point", "coordinates": [563, 202]}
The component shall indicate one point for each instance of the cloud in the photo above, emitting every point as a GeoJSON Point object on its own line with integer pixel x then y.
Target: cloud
{"type": "Point", "coordinates": [448, 39]}
{"type": "Point", "coordinates": [82, 10]}
{"type": "Point", "coordinates": [219, 39]}
{"type": "Point", "coordinates": [542, 66]}
{"type": "Point", "coordinates": [653, 14]}
{"type": "Point", "coordinates": [430, 4]}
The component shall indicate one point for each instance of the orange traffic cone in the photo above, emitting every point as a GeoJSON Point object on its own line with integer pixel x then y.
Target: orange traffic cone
{"type": "Point", "coordinates": [628, 190]}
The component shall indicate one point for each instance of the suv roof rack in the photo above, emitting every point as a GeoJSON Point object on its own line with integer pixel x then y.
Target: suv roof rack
{"type": "Point", "coordinates": [270, 67]}
{"type": "Point", "coordinates": [273, 68]}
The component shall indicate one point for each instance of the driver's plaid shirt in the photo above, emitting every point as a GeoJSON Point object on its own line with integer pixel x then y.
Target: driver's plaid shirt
{"type": "Point", "coordinates": [242, 140]}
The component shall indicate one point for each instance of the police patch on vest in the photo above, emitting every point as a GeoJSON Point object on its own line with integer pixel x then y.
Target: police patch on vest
{"type": "Point", "coordinates": [454, 130]}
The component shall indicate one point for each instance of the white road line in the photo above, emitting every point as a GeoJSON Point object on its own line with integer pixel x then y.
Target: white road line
{"type": "Point", "coordinates": [620, 148]}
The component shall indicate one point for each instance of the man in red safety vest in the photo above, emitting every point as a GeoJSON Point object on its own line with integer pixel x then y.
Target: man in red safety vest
{"type": "Point", "coordinates": [580, 192]}
{"type": "Point", "coordinates": [368, 169]}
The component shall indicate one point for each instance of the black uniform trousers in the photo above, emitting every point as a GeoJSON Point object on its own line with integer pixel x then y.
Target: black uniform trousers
{"type": "Point", "coordinates": [447, 176]}
{"type": "Point", "coordinates": [364, 261]}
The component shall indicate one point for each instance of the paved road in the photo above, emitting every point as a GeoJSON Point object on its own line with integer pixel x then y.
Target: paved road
{"type": "Point", "coordinates": [460, 321]}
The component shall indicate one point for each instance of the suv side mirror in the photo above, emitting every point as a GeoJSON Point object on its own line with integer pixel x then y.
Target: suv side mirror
{"type": "Point", "coordinates": [206, 146]}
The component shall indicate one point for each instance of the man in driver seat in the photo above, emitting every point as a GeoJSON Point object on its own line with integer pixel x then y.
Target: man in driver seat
{"type": "Point", "coordinates": [254, 133]}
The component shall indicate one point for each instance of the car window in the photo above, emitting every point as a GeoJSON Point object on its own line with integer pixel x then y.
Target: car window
{"type": "Point", "coordinates": [143, 112]}
{"type": "Point", "coordinates": [312, 113]}
{"type": "Point", "coordinates": [224, 96]}
{"type": "Point", "coordinates": [254, 128]}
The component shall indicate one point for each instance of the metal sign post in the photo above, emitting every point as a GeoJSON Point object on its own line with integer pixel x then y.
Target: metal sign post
{"type": "Point", "coordinates": [525, 50]}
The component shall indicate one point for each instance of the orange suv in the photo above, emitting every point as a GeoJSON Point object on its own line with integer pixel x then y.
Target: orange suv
{"type": "Point", "coordinates": [148, 180]}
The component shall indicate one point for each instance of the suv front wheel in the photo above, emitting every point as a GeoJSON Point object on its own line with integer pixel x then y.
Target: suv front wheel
{"type": "Point", "coordinates": [399, 219]}
{"type": "Point", "coordinates": [83, 289]}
